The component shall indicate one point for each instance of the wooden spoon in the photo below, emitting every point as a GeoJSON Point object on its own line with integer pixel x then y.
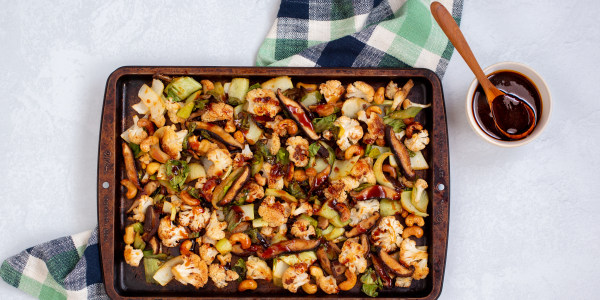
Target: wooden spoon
{"type": "Point", "coordinates": [512, 116]}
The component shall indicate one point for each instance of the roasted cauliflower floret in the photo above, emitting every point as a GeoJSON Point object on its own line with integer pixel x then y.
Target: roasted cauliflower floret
{"type": "Point", "coordinates": [207, 253]}
{"type": "Point", "coordinates": [418, 141]}
{"type": "Point", "coordinates": [297, 146]}
{"type": "Point", "coordinates": [135, 134]}
{"type": "Point", "coordinates": [224, 259]}
{"type": "Point", "coordinates": [335, 192]}
{"type": "Point", "coordinates": [220, 160]}
{"type": "Point", "coordinates": [133, 256]}
{"type": "Point", "coordinates": [391, 89]}
{"type": "Point", "coordinates": [195, 218]}
{"type": "Point", "coordinates": [217, 111]}
{"type": "Point", "coordinates": [250, 192]}
{"type": "Point", "coordinates": [303, 208]}
{"type": "Point", "coordinates": [169, 234]}
{"type": "Point", "coordinates": [421, 269]}
{"type": "Point", "coordinates": [331, 90]}
{"type": "Point", "coordinates": [363, 172]}
{"type": "Point", "coordinates": [262, 102]}
{"type": "Point", "coordinates": [353, 256]}
{"type": "Point", "coordinates": [270, 232]}
{"type": "Point", "coordinates": [418, 189]}
{"type": "Point", "coordinates": [220, 276]}
{"type": "Point", "coordinates": [273, 212]}
{"type": "Point", "coordinates": [375, 128]}
{"type": "Point", "coordinates": [295, 277]}
{"type": "Point", "coordinates": [193, 271]}
{"type": "Point", "coordinates": [257, 268]}
{"type": "Point", "coordinates": [388, 234]}
{"type": "Point", "coordinates": [350, 132]}
{"type": "Point", "coordinates": [363, 210]}
{"type": "Point", "coordinates": [403, 281]}
{"type": "Point", "coordinates": [328, 285]}
{"type": "Point", "coordinates": [415, 256]}
{"type": "Point", "coordinates": [172, 109]}
{"type": "Point", "coordinates": [302, 229]}
{"type": "Point", "coordinates": [274, 176]}
{"type": "Point", "coordinates": [360, 89]}
{"type": "Point", "coordinates": [139, 212]}
{"type": "Point", "coordinates": [172, 142]}
{"type": "Point", "coordinates": [215, 228]}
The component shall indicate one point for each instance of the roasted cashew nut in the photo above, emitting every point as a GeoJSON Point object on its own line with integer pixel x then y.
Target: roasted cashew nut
{"type": "Point", "coordinates": [158, 154]}
{"type": "Point", "coordinates": [300, 175]}
{"type": "Point", "coordinates": [350, 281]}
{"type": "Point", "coordinates": [379, 96]}
{"type": "Point", "coordinates": [309, 288]}
{"type": "Point", "coordinates": [307, 86]}
{"type": "Point", "coordinates": [390, 170]}
{"type": "Point", "coordinates": [188, 199]}
{"type": "Point", "coordinates": [129, 236]}
{"type": "Point", "coordinates": [131, 189]}
{"type": "Point", "coordinates": [289, 126]}
{"type": "Point", "coordinates": [412, 231]}
{"type": "Point", "coordinates": [240, 238]}
{"type": "Point", "coordinates": [414, 219]}
{"type": "Point", "coordinates": [185, 247]}
{"type": "Point", "coordinates": [147, 142]}
{"type": "Point", "coordinates": [316, 272]}
{"type": "Point", "coordinates": [146, 124]}
{"type": "Point", "coordinates": [373, 108]}
{"type": "Point", "coordinates": [239, 136]}
{"type": "Point", "coordinates": [354, 150]}
{"type": "Point", "coordinates": [248, 284]}
{"type": "Point", "coordinates": [261, 180]}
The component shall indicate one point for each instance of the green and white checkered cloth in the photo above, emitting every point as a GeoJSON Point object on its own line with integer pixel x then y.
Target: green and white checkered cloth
{"type": "Point", "coordinates": [308, 33]}
{"type": "Point", "coordinates": [377, 33]}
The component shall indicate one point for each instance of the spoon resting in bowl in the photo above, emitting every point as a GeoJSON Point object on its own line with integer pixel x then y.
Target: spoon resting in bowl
{"type": "Point", "coordinates": [512, 116]}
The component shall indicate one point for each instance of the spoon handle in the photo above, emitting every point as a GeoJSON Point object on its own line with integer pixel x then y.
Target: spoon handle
{"type": "Point", "coordinates": [452, 31]}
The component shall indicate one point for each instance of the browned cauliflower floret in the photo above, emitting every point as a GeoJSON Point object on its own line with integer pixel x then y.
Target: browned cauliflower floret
{"type": "Point", "coordinates": [133, 256]}
{"type": "Point", "coordinates": [331, 90]}
{"type": "Point", "coordinates": [195, 217]}
{"type": "Point", "coordinates": [403, 281]}
{"type": "Point", "coordinates": [295, 277]}
{"type": "Point", "coordinates": [388, 234]}
{"type": "Point", "coordinates": [251, 192]}
{"type": "Point", "coordinates": [215, 229]}
{"type": "Point", "coordinates": [207, 252]}
{"type": "Point", "coordinates": [302, 229]}
{"type": "Point", "coordinates": [328, 285]}
{"type": "Point", "coordinates": [257, 268]}
{"type": "Point", "coordinates": [220, 162]}
{"type": "Point", "coordinates": [353, 256]}
{"type": "Point", "coordinates": [335, 192]}
{"type": "Point", "coordinates": [169, 234]}
{"type": "Point", "coordinates": [270, 232]}
{"type": "Point", "coordinates": [224, 259]}
{"type": "Point", "coordinates": [273, 212]}
{"type": "Point", "coordinates": [135, 134]}
{"type": "Point", "coordinates": [262, 102]}
{"type": "Point", "coordinates": [297, 146]}
{"type": "Point", "coordinates": [274, 176]}
{"type": "Point", "coordinates": [172, 142]}
{"type": "Point", "coordinates": [391, 89]}
{"type": "Point", "coordinates": [217, 112]}
{"type": "Point", "coordinates": [418, 141]}
{"type": "Point", "coordinates": [415, 256]}
{"type": "Point", "coordinates": [303, 208]}
{"type": "Point", "coordinates": [350, 132]}
{"type": "Point", "coordinates": [360, 89]}
{"type": "Point", "coordinates": [375, 128]}
{"type": "Point", "coordinates": [220, 276]}
{"type": "Point", "coordinates": [363, 210]}
{"type": "Point", "coordinates": [139, 212]}
{"type": "Point", "coordinates": [274, 125]}
{"type": "Point", "coordinates": [172, 109]}
{"type": "Point", "coordinates": [193, 271]}
{"type": "Point", "coordinates": [363, 172]}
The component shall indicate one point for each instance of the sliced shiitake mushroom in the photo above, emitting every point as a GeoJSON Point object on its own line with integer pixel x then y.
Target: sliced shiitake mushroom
{"type": "Point", "coordinates": [324, 260]}
{"type": "Point", "coordinates": [300, 114]}
{"type": "Point", "coordinates": [394, 265]}
{"type": "Point", "coordinates": [380, 269]}
{"type": "Point", "coordinates": [375, 192]}
{"type": "Point", "coordinates": [151, 222]}
{"type": "Point", "coordinates": [343, 210]}
{"type": "Point", "coordinates": [226, 191]}
{"type": "Point", "coordinates": [289, 246]}
{"type": "Point", "coordinates": [130, 166]}
{"type": "Point", "coordinates": [219, 133]}
{"type": "Point", "coordinates": [363, 226]}
{"type": "Point", "coordinates": [399, 151]}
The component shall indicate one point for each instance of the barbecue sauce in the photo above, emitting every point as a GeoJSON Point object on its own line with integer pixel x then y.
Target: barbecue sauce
{"type": "Point", "coordinates": [509, 112]}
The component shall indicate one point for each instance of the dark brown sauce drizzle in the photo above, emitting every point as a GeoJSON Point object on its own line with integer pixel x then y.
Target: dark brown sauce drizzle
{"type": "Point", "coordinates": [513, 118]}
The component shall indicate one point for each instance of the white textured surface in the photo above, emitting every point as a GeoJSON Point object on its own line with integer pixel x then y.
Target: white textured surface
{"type": "Point", "coordinates": [523, 221]}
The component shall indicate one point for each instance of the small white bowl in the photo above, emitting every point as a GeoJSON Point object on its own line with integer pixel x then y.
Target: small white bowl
{"type": "Point", "coordinates": [545, 96]}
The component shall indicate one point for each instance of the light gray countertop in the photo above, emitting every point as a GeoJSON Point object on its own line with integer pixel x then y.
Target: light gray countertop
{"type": "Point", "coordinates": [523, 222]}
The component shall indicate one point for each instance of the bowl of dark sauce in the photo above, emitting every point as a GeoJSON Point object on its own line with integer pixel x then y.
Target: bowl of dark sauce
{"type": "Point", "coordinates": [517, 80]}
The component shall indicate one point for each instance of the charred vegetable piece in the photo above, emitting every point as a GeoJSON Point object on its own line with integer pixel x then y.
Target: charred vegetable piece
{"type": "Point", "coordinates": [363, 226]}
{"type": "Point", "coordinates": [400, 151]}
{"type": "Point", "coordinates": [130, 166]}
{"type": "Point", "coordinates": [236, 187]}
{"type": "Point", "coordinates": [219, 133]}
{"type": "Point", "coordinates": [381, 272]}
{"type": "Point", "coordinates": [181, 87]}
{"type": "Point", "coordinates": [280, 194]}
{"type": "Point", "coordinates": [228, 188]}
{"type": "Point", "coordinates": [375, 192]}
{"type": "Point", "coordinates": [300, 114]}
{"type": "Point", "coordinates": [394, 265]}
{"type": "Point", "coordinates": [151, 223]}
{"type": "Point", "coordinates": [289, 246]}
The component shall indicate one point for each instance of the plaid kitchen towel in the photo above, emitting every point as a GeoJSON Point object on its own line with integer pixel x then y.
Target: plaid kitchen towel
{"type": "Point", "coordinates": [64, 268]}
{"type": "Point", "coordinates": [344, 33]}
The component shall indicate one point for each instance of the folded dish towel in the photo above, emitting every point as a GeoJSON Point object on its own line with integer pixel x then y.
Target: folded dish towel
{"type": "Point", "coordinates": [378, 33]}
{"type": "Point", "coordinates": [310, 33]}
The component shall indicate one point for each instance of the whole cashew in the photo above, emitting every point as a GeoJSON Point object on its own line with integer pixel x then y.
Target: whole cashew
{"type": "Point", "coordinates": [147, 142]}
{"type": "Point", "coordinates": [309, 288]}
{"type": "Point", "coordinates": [414, 219]}
{"type": "Point", "coordinates": [323, 110]}
{"type": "Point", "coordinates": [390, 170]}
{"type": "Point", "coordinates": [146, 124]}
{"type": "Point", "coordinates": [129, 236]}
{"type": "Point", "coordinates": [288, 125]}
{"type": "Point", "coordinates": [131, 189]}
{"type": "Point", "coordinates": [241, 238]}
{"type": "Point", "coordinates": [188, 199]}
{"type": "Point", "coordinates": [300, 175]}
{"type": "Point", "coordinates": [261, 180]}
{"type": "Point", "coordinates": [373, 108]}
{"type": "Point", "coordinates": [239, 136]}
{"type": "Point", "coordinates": [185, 247]}
{"type": "Point", "coordinates": [316, 272]}
{"type": "Point", "coordinates": [248, 284]}
{"type": "Point", "coordinates": [379, 95]}
{"type": "Point", "coordinates": [352, 151]}
{"type": "Point", "coordinates": [350, 281]}
{"type": "Point", "coordinates": [152, 168]}
{"type": "Point", "coordinates": [150, 187]}
{"type": "Point", "coordinates": [307, 86]}
{"type": "Point", "coordinates": [412, 230]}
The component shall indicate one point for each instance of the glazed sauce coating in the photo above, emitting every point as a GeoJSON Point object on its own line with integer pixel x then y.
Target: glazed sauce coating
{"type": "Point", "coordinates": [510, 115]}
